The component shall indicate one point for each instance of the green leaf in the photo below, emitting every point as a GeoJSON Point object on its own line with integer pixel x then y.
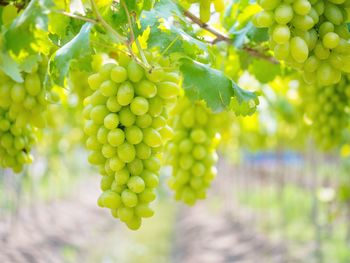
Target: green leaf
{"type": "Point", "coordinates": [249, 32]}
{"type": "Point", "coordinates": [77, 48]}
{"type": "Point", "coordinates": [117, 15]}
{"type": "Point", "coordinates": [30, 62]}
{"type": "Point", "coordinates": [258, 35]}
{"type": "Point", "coordinates": [170, 30]}
{"type": "Point", "coordinates": [25, 33]}
{"type": "Point", "coordinates": [264, 71]}
{"type": "Point", "coordinates": [244, 102]}
{"type": "Point", "coordinates": [10, 67]}
{"type": "Point", "coordinates": [202, 82]}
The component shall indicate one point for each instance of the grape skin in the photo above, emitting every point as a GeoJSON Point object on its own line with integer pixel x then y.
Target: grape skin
{"type": "Point", "coordinates": [22, 107]}
{"type": "Point", "coordinates": [304, 29]}
{"type": "Point", "coordinates": [326, 108]}
{"type": "Point", "coordinates": [125, 117]}
{"type": "Point", "coordinates": [204, 7]}
{"type": "Point", "coordinates": [192, 153]}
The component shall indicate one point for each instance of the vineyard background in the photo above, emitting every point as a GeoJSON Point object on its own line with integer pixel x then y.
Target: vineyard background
{"type": "Point", "coordinates": [270, 207]}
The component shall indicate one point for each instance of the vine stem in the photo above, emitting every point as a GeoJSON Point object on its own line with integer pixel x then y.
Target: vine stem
{"type": "Point", "coordinates": [121, 38]}
{"type": "Point", "coordinates": [133, 38]}
{"type": "Point", "coordinates": [83, 18]}
{"type": "Point", "coordinates": [105, 24]}
{"type": "Point", "coordinates": [170, 45]}
{"type": "Point", "coordinates": [219, 36]}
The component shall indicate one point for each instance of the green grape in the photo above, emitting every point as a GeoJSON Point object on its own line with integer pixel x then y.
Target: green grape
{"type": "Point", "coordinates": [331, 40]}
{"type": "Point", "coordinates": [135, 71]}
{"type": "Point", "coordinates": [119, 74]}
{"type": "Point", "coordinates": [144, 121]}
{"type": "Point", "coordinates": [281, 34]}
{"type": "Point", "coordinates": [189, 152]}
{"type": "Point", "coordinates": [304, 29]}
{"type": "Point", "coordinates": [204, 10]}
{"type": "Point", "coordinates": [113, 105]}
{"type": "Point", "coordinates": [111, 121]}
{"type": "Point", "coordinates": [125, 93]}
{"type": "Point", "coordinates": [126, 124]}
{"type": "Point", "coordinates": [204, 7]}
{"type": "Point", "coordinates": [126, 117]}
{"type": "Point", "coordinates": [133, 135]}
{"type": "Point", "coordinates": [299, 49]}
{"type": "Point", "coordinates": [135, 167]}
{"type": "Point", "coordinates": [136, 184]}
{"type": "Point", "coordinates": [129, 198]}
{"type": "Point", "coordinates": [126, 152]}
{"type": "Point", "coordinates": [116, 164]}
{"type": "Point", "coordinates": [95, 80]}
{"type": "Point", "coordinates": [139, 106]}
{"type": "Point", "coordinates": [143, 210]}
{"type": "Point", "coordinates": [326, 108]}
{"type": "Point", "coordinates": [116, 137]}
{"type": "Point", "coordinates": [152, 138]}
{"type": "Point", "coordinates": [9, 13]}
{"type": "Point", "coordinates": [108, 88]}
{"type": "Point", "coordinates": [146, 88]}
{"type": "Point", "coordinates": [22, 111]}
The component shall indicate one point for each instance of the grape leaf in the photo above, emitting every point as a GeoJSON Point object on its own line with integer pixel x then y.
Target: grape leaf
{"type": "Point", "coordinates": [77, 48]}
{"type": "Point", "coordinates": [10, 67]}
{"type": "Point", "coordinates": [25, 33]}
{"type": "Point", "coordinates": [203, 82]}
{"type": "Point", "coordinates": [264, 71]}
{"type": "Point", "coordinates": [118, 17]}
{"type": "Point", "coordinates": [170, 30]}
{"type": "Point", "coordinates": [244, 102]}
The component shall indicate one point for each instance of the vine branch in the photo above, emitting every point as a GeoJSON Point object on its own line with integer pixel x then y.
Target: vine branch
{"type": "Point", "coordinates": [219, 36]}
{"type": "Point", "coordinates": [133, 38]}
{"type": "Point", "coordinates": [83, 18]}
{"type": "Point", "coordinates": [107, 26]}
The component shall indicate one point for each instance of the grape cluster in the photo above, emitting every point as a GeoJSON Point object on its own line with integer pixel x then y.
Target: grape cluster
{"type": "Point", "coordinates": [204, 7]}
{"type": "Point", "coordinates": [310, 35]}
{"type": "Point", "coordinates": [21, 108]}
{"type": "Point", "coordinates": [192, 153]}
{"type": "Point", "coordinates": [126, 124]}
{"type": "Point", "coordinates": [326, 108]}
{"type": "Point", "coordinates": [78, 84]}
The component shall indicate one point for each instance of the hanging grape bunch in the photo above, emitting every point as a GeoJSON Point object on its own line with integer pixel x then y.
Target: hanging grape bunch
{"type": "Point", "coordinates": [309, 35]}
{"type": "Point", "coordinates": [326, 107]}
{"type": "Point", "coordinates": [127, 128]}
{"type": "Point", "coordinates": [192, 153]}
{"type": "Point", "coordinates": [22, 107]}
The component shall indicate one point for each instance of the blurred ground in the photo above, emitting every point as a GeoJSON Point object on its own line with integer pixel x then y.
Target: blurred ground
{"type": "Point", "coordinates": [76, 230]}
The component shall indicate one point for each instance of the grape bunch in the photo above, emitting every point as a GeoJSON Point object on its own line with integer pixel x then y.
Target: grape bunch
{"type": "Point", "coordinates": [78, 84]}
{"type": "Point", "coordinates": [204, 7]}
{"type": "Point", "coordinates": [126, 125]}
{"type": "Point", "coordinates": [21, 106]}
{"type": "Point", "coordinates": [191, 153]}
{"type": "Point", "coordinates": [310, 35]}
{"type": "Point", "coordinates": [326, 108]}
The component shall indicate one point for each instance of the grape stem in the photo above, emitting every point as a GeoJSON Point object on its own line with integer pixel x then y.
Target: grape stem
{"type": "Point", "coordinates": [107, 26]}
{"type": "Point", "coordinates": [83, 18]}
{"type": "Point", "coordinates": [132, 37]}
{"type": "Point", "coordinates": [120, 38]}
{"type": "Point", "coordinates": [219, 36]}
